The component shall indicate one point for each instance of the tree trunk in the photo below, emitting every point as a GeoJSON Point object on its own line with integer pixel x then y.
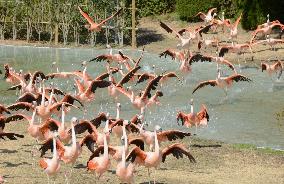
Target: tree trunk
{"type": "Point", "coordinates": [56, 34]}
{"type": "Point", "coordinates": [14, 29]}
{"type": "Point", "coordinates": [29, 29]}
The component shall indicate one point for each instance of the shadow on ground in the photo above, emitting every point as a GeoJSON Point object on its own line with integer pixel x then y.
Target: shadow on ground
{"type": "Point", "coordinates": [146, 36]}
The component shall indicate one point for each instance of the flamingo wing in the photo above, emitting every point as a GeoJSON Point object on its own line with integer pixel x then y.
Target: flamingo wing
{"type": "Point", "coordinates": [50, 125]}
{"type": "Point", "coordinates": [89, 141]}
{"type": "Point", "coordinates": [71, 99]}
{"type": "Point", "coordinates": [27, 76]}
{"type": "Point", "coordinates": [177, 150]}
{"type": "Point", "coordinates": [17, 117]}
{"type": "Point", "coordinates": [204, 30]}
{"type": "Point", "coordinates": [55, 91]}
{"type": "Point", "coordinates": [4, 109]}
{"type": "Point", "coordinates": [37, 74]}
{"type": "Point", "coordinates": [20, 105]}
{"type": "Point", "coordinates": [15, 87]}
{"type": "Point", "coordinates": [238, 77]}
{"type": "Point", "coordinates": [79, 85]}
{"type": "Point", "coordinates": [171, 135]}
{"type": "Point", "coordinates": [229, 64]}
{"type": "Point", "coordinates": [237, 21]}
{"type": "Point", "coordinates": [203, 113]}
{"type": "Point", "coordinates": [123, 91]}
{"type": "Point", "coordinates": [30, 98]}
{"type": "Point", "coordinates": [86, 16]}
{"type": "Point", "coordinates": [83, 126]}
{"type": "Point", "coordinates": [224, 50]}
{"type": "Point", "coordinates": [138, 141]}
{"type": "Point", "coordinates": [169, 30]}
{"type": "Point", "coordinates": [152, 85]}
{"type": "Point", "coordinates": [144, 77]}
{"type": "Point", "coordinates": [98, 120]}
{"type": "Point", "coordinates": [103, 57]}
{"type": "Point", "coordinates": [116, 13]}
{"type": "Point", "coordinates": [11, 136]}
{"type": "Point", "coordinates": [134, 153]}
{"type": "Point", "coordinates": [205, 83]}
{"type": "Point", "coordinates": [199, 57]}
{"type": "Point", "coordinates": [48, 145]}
{"type": "Point", "coordinates": [169, 52]}
{"type": "Point", "coordinates": [97, 84]}
{"type": "Point", "coordinates": [128, 76]}
{"type": "Point", "coordinates": [181, 117]}
{"type": "Point", "coordinates": [132, 128]}
{"type": "Point", "coordinates": [201, 15]}
{"type": "Point", "coordinates": [264, 66]}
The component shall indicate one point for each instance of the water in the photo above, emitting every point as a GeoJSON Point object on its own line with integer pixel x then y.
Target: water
{"type": "Point", "coordinates": [246, 116]}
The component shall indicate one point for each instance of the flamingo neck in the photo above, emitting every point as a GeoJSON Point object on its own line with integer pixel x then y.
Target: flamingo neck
{"type": "Point", "coordinates": [191, 108]}
{"type": "Point", "coordinates": [50, 98]}
{"type": "Point", "coordinates": [157, 147]}
{"type": "Point", "coordinates": [117, 112]}
{"type": "Point", "coordinates": [54, 149]}
{"type": "Point", "coordinates": [33, 118]}
{"type": "Point", "coordinates": [106, 126]}
{"type": "Point", "coordinates": [125, 137]}
{"type": "Point", "coordinates": [73, 134]}
{"type": "Point", "coordinates": [110, 51]}
{"type": "Point", "coordinates": [132, 97]}
{"type": "Point", "coordinates": [105, 146]}
{"type": "Point", "coordinates": [43, 95]}
{"type": "Point", "coordinates": [123, 159]}
{"type": "Point", "coordinates": [63, 118]}
{"type": "Point", "coordinates": [84, 71]}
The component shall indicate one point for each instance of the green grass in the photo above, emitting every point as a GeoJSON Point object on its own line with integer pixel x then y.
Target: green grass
{"type": "Point", "coordinates": [261, 150]}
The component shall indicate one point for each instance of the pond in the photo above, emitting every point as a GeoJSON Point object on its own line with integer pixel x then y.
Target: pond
{"type": "Point", "coordinates": [247, 115]}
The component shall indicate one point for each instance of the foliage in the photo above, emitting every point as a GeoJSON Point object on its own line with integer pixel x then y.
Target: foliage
{"type": "Point", "coordinates": [154, 7]}
{"type": "Point", "coordinates": [187, 9]}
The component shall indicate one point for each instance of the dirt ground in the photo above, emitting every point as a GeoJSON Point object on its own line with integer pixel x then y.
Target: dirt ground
{"type": "Point", "coordinates": [217, 162]}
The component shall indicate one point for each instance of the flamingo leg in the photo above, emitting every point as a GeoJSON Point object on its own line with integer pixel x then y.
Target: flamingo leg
{"type": "Point", "coordinates": [149, 176]}
{"type": "Point", "coordinates": [154, 176]}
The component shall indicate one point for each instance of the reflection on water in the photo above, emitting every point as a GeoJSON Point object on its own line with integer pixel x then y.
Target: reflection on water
{"type": "Point", "coordinates": [248, 115]}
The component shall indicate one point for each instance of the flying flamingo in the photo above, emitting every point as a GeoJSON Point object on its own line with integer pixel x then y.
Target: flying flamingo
{"type": "Point", "coordinates": [153, 159]}
{"type": "Point", "coordinates": [88, 94]}
{"type": "Point", "coordinates": [205, 58]}
{"type": "Point", "coordinates": [194, 119]}
{"type": "Point", "coordinates": [222, 82]}
{"type": "Point", "coordinates": [180, 55]}
{"type": "Point", "coordinates": [92, 26]}
{"type": "Point", "coordinates": [146, 98]}
{"type": "Point", "coordinates": [234, 27]}
{"type": "Point", "coordinates": [207, 17]}
{"type": "Point", "coordinates": [273, 68]}
{"type": "Point", "coordinates": [184, 42]}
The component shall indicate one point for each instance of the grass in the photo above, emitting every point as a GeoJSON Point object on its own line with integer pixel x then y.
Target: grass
{"type": "Point", "coordinates": [258, 149]}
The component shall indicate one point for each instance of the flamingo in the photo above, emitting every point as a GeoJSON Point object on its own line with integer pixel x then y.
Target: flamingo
{"type": "Point", "coordinates": [208, 42]}
{"type": "Point", "coordinates": [207, 17]}
{"type": "Point", "coordinates": [234, 27]}
{"type": "Point", "coordinates": [273, 68]}
{"type": "Point", "coordinates": [125, 171]}
{"type": "Point", "coordinates": [51, 166]}
{"type": "Point", "coordinates": [223, 82]}
{"type": "Point", "coordinates": [88, 94]}
{"type": "Point", "coordinates": [120, 58]}
{"type": "Point", "coordinates": [184, 42]}
{"type": "Point", "coordinates": [180, 55]}
{"type": "Point", "coordinates": [204, 58]}
{"type": "Point", "coordinates": [146, 99]}
{"type": "Point", "coordinates": [147, 76]}
{"type": "Point", "coordinates": [194, 119]}
{"type": "Point", "coordinates": [270, 41]}
{"type": "Point", "coordinates": [153, 159]}
{"type": "Point", "coordinates": [99, 164]}
{"type": "Point", "coordinates": [169, 135]}
{"type": "Point", "coordinates": [92, 26]}
{"type": "Point", "coordinates": [265, 30]}
{"type": "Point", "coordinates": [11, 136]}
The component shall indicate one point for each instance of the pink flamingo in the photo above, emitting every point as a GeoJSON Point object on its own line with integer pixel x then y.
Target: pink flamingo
{"type": "Point", "coordinates": [92, 25]}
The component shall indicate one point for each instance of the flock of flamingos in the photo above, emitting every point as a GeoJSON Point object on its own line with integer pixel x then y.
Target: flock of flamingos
{"type": "Point", "coordinates": [49, 104]}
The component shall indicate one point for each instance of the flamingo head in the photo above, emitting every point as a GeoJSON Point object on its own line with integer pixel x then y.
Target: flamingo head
{"type": "Point", "coordinates": [191, 101]}
{"type": "Point", "coordinates": [126, 122]}
{"type": "Point", "coordinates": [158, 128]}
{"type": "Point", "coordinates": [74, 120]}
{"type": "Point", "coordinates": [214, 15]}
{"type": "Point", "coordinates": [159, 93]}
{"type": "Point", "coordinates": [118, 105]}
{"type": "Point", "coordinates": [55, 134]}
{"type": "Point", "coordinates": [87, 26]}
